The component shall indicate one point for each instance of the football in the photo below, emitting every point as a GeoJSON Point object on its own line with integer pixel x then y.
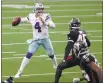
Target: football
{"type": "Point", "coordinates": [16, 21]}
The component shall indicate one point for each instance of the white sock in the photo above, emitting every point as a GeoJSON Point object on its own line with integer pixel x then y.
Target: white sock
{"type": "Point", "coordinates": [25, 61]}
{"type": "Point", "coordinates": [76, 80]}
{"type": "Point", "coordinates": [85, 75]}
{"type": "Point", "coordinates": [54, 61]}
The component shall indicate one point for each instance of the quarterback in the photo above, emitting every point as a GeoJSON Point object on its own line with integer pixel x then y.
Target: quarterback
{"type": "Point", "coordinates": [40, 22]}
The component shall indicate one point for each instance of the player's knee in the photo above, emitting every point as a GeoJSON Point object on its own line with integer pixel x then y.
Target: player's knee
{"type": "Point", "coordinates": [29, 55]}
{"type": "Point", "coordinates": [59, 67]}
{"type": "Point", "coordinates": [52, 56]}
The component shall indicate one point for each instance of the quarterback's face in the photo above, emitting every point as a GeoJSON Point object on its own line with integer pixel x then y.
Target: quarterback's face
{"type": "Point", "coordinates": [40, 11]}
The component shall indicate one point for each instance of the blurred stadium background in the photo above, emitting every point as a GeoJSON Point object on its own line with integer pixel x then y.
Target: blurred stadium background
{"type": "Point", "coordinates": [40, 68]}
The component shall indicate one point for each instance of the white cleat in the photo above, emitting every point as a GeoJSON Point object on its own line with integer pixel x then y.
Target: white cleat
{"type": "Point", "coordinates": [76, 80]}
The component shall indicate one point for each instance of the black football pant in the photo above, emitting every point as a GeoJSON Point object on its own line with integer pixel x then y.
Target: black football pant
{"type": "Point", "coordinates": [69, 62]}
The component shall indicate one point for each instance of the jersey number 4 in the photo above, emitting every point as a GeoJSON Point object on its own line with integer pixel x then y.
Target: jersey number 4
{"type": "Point", "coordinates": [37, 26]}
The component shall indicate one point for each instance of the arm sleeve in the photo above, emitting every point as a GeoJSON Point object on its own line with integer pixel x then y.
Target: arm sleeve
{"type": "Point", "coordinates": [51, 24]}
{"type": "Point", "coordinates": [88, 42]}
{"type": "Point", "coordinates": [49, 21]}
{"type": "Point", "coordinates": [68, 49]}
{"type": "Point", "coordinates": [25, 19]}
{"type": "Point", "coordinates": [72, 37]}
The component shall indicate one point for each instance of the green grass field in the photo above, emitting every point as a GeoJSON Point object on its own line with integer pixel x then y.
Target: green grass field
{"type": "Point", "coordinates": [40, 69]}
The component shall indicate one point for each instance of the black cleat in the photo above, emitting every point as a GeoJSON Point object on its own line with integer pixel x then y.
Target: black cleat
{"type": "Point", "coordinates": [9, 80]}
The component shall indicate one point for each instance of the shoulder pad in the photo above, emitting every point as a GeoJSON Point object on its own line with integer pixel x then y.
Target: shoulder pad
{"type": "Point", "coordinates": [84, 32]}
{"type": "Point", "coordinates": [47, 16]}
{"type": "Point", "coordinates": [29, 15]}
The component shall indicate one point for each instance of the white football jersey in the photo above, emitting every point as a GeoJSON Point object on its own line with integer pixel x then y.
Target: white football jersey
{"type": "Point", "coordinates": [40, 30]}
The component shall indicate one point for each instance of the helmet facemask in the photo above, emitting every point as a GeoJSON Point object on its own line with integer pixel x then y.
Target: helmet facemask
{"type": "Point", "coordinates": [74, 24]}
{"type": "Point", "coordinates": [39, 8]}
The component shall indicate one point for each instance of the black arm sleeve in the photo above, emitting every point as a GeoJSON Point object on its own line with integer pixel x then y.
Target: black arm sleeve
{"type": "Point", "coordinates": [72, 38]}
{"type": "Point", "coordinates": [68, 49]}
{"type": "Point", "coordinates": [88, 42]}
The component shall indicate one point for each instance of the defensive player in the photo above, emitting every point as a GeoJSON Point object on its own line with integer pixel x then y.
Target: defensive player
{"type": "Point", "coordinates": [89, 75]}
{"type": "Point", "coordinates": [40, 22]}
{"type": "Point", "coordinates": [78, 43]}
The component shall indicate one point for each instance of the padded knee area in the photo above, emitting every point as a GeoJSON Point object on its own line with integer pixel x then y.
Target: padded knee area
{"type": "Point", "coordinates": [29, 55]}
{"type": "Point", "coordinates": [60, 67]}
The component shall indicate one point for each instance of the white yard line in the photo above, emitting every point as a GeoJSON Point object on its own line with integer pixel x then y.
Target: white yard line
{"type": "Point", "coordinates": [56, 58]}
{"type": "Point", "coordinates": [62, 59]}
{"type": "Point", "coordinates": [9, 58]}
{"type": "Point", "coordinates": [18, 56]}
{"type": "Point", "coordinates": [73, 10]}
{"type": "Point", "coordinates": [54, 32]}
{"type": "Point", "coordinates": [41, 56]}
{"type": "Point", "coordinates": [15, 28]}
{"type": "Point", "coordinates": [23, 1]}
{"type": "Point", "coordinates": [5, 18]}
{"type": "Point", "coordinates": [64, 5]}
{"type": "Point", "coordinates": [82, 23]}
{"type": "Point", "coordinates": [68, 31]}
{"type": "Point", "coordinates": [37, 56]}
{"type": "Point", "coordinates": [99, 14]}
{"type": "Point", "coordinates": [22, 55]}
{"type": "Point", "coordinates": [13, 44]}
{"type": "Point", "coordinates": [9, 25]}
{"type": "Point", "coordinates": [23, 27]}
{"type": "Point", "coordinates": [10, 44]}
{"type": "Point", "coordinates": [46, 6]}
{"type": "Point", "coordinates": [65, 16]}
{"type": "Point", "coordinates": [57, 16]}
{"type": "Point", "coordinates": [87, 34]}
{"type": "Point", "coordinates": [8, 52]}
{"type": "Point", "coordinates": [19, 6]}
{"type": "Point", "coordinates": [26, 29]}
{"type": "Point", "coordinates": [44, 74]}
{"type": "Point", "coordinates": [8, 33]}
{"type": "Point", "coordinates": [97, 36]}
{"type": "Point", "coordinates": [91, 53]}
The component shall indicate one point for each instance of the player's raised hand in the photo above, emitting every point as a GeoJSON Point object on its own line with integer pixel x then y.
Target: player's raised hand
{"type": "Point", "coordinates": [41, 19]}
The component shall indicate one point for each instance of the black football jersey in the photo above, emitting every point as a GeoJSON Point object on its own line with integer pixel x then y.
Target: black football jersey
{"type": "Point", "coordinates": [80, 43]}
